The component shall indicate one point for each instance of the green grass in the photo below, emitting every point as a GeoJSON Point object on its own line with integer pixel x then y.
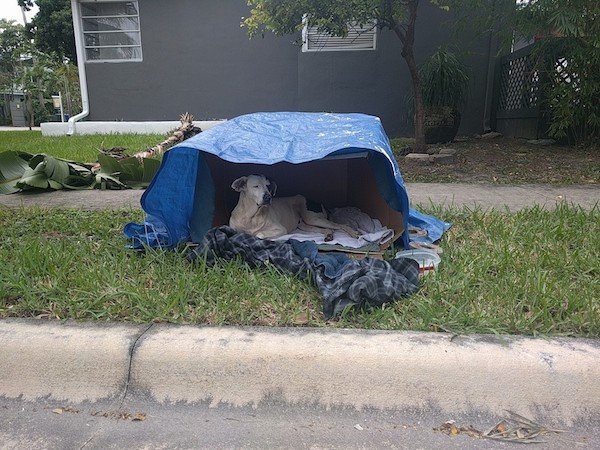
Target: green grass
{"type": "Point", "coordinates": [533, 272]}
{"type": "Point", "coordinates": [75, 148]}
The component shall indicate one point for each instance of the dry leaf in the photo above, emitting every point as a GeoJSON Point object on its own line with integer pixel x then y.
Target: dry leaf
{"type": "Point", "coordinates": [501, 427]}
{"type": "Point", "coordinates": [358, 427]}
{"type": "Point", "coordinates": [301, 319]}
{"type": "Point", "coordinates": [139, 417]}
{"type": "Point", "coordinates": [57, 410]}
{"type": "Point", "coordinates": [453, 430]}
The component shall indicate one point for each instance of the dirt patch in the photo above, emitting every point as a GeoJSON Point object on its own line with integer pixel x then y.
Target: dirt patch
{"type": "Point", "coordinates": [506, 161]}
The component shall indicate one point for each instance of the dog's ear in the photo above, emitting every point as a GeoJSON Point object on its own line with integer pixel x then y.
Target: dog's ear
{"type": "Point", "coordinates": [239, 184]}
{"type": "Point", "coordinates": [272, 188]}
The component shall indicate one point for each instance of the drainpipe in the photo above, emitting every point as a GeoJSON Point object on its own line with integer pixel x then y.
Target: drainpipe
{"type": "Point", "coordinates": [79, 48]}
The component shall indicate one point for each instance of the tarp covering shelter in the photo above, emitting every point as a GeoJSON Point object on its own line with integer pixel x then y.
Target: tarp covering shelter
{"type": "Point", "coordinates": [335, 159]}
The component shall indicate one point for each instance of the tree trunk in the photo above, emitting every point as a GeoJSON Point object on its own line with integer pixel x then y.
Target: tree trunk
{"type": "Point", "coordinates": [408, 39]}
{"type": "Point", "coordinates": [29, 109]}
{"type": "Point", "coordinates": [67, 96]}
{"type": "Point", "coordinates": [418, 100]}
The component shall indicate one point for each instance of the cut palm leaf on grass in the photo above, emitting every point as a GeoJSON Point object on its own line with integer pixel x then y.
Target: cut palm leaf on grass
{"type": "Point", "coordinates": [12, 168]}
{"type": "Point", "coordinates": [23, 171]}
{"type": "Point", "coordinates": [107, 176]}
{"type": "Point", "coordinates": [44, 172]}
{"type": "Point", "coordinates": [138, 173]}
{"type": "Point", "coordinates": [126, 173]}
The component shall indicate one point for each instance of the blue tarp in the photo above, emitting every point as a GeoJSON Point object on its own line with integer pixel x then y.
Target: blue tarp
{"type": "Point", "coordinates": [180, 200]}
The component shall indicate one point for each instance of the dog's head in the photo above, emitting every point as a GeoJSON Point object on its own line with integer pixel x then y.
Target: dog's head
{"type": "Point", "coordinates": [258, 187]}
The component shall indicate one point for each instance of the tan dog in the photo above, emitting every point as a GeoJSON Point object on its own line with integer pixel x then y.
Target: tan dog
{"type": "Point", "coordinates": [265, 217]}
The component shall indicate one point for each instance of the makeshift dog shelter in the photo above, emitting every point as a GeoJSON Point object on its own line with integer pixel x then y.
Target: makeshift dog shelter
{"type": "Point", "coordinates": [335, 159]}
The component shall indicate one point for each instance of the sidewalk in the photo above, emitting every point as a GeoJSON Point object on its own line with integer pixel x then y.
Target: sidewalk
{"type": "Point", "coordinates": [510, 197]}
{"type": "Point", "coordinates": [4, 128]}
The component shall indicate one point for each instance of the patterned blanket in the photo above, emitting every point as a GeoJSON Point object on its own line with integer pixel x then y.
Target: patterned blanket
{"type": "Point", "coordinates": [342, 281]}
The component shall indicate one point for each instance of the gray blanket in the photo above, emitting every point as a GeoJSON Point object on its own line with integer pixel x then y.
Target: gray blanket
{"type": "Point", "coordinates": [342, 281]}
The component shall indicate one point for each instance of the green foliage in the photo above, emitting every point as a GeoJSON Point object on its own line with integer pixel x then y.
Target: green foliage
{"type": "Point", "coordinates": [52, 27]}
{"type": "Point", "coordinates": [13, 40]}
{"type": "Point", "coordinates": [568, 55]}
{"type": "Point", "coordinates": [571, 87]}
{"type": "Point", "coordinates": [23, 171]}
{"type": "Point", "coordinates": [445, 80]}
{"type": "Point", "coordinates": [285, 16]}
{"type": "Point", "coordinates": [12, 168]}
{"type": "Point", "coordinates": [23, 67]}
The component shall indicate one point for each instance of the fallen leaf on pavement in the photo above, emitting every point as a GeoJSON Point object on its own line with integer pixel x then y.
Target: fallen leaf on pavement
{"type": "Point", "coordinates": [452, 430]}
{"type": "Point", "coordinates": [518, 429]}
{"type": "Point", "coordinates": [122, 415]}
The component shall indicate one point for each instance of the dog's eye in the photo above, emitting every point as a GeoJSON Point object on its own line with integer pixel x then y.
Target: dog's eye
{"type": "Point", "coordinates": [256, 187]}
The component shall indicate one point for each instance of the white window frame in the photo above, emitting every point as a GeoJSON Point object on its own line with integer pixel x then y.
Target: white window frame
{"type": "Point", "coordinates": [83, 32]}
{"type": "Point", "coordinates": [306, 30]}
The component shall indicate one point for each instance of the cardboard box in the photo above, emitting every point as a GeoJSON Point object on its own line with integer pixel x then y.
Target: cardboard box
{"type": "Point", "coordinates": [335, 181]}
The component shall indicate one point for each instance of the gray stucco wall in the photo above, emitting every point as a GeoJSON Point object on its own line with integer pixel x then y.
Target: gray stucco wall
{"type": "Point", "coordinates": [196, 58]}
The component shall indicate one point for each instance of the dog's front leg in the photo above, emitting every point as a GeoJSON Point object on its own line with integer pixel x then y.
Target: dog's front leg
{"type": "Point", "coordinates": [312, 218]}
{"type": "Point", "coordinates": [272, 232]}
{"type": "Point", "coordinates": [326, 232]}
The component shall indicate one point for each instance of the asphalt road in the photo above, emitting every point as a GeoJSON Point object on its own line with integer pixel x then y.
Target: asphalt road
{"type": "Point", "coordinates": [25, 425]}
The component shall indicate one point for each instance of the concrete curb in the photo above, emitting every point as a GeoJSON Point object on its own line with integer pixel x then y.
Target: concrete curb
{"type": "Point", "coordinates": [65, 361]}
{"type": "Point", "coordinates": [555, 379]}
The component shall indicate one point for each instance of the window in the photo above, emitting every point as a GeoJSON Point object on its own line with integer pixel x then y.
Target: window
{"type": "Point", "coordinates": [111, 31]}
{"type": "Point", "coordinates": [358, 38]}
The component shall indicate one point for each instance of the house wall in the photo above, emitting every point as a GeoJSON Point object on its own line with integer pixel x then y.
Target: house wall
{"type": "Point", "coordinates": [196, 58]}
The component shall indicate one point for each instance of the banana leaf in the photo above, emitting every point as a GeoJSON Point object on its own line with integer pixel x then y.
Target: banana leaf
{"type": "Point", "coordinates": [104, 181]}
{"type": "Point", "coordinates": [12, 168]}
{"type": "Point", "coordinates": [138, 173]}
{"type": "Point", "coordinates": [80, 178]}
{"type": "Point", "coordinates": [23, 171]}
{"type": "Point", "coordinates": [108, 175]}
{"type": "Point", "coordinates": [44, 172]}
{"type": "Point", "coordinates": [130, 172]}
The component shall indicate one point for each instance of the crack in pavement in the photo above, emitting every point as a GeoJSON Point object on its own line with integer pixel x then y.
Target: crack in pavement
{"type": "Point", "coordinates": [131, 352]}
{"type": "Point", "coordinates": [132, 349]}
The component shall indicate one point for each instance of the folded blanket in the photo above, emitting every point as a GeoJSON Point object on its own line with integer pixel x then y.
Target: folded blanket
{"type": "Point", "coordinates": [342, 281]}
{"type": "Point", "coordinates": [371, 231]}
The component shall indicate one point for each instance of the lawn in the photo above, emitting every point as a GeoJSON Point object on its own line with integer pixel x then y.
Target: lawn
{"type": "Point", "coordinates": [74, 148]}
{"type": "Point", "coordinates": [534, 272]}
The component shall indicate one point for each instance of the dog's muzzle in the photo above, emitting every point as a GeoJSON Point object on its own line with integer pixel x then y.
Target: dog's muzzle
{"type": "Point", "coordinates": [267, 199]}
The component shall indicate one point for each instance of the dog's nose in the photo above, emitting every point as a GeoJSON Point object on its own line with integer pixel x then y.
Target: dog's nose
{"type": "Point", "coordinates": [267, 198]}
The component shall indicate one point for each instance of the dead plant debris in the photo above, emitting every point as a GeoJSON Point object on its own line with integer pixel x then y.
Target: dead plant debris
{"type": "Point", "coordinates": [65, 409]}
{"type": "Point", "coordinates": [515, 428]}
{"type": "Point", "coordinates": [121, 415]}
{"type": "Point", "coordinates": [451, 429]}
{"type": "Point", "coordinates": [518, 429]}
